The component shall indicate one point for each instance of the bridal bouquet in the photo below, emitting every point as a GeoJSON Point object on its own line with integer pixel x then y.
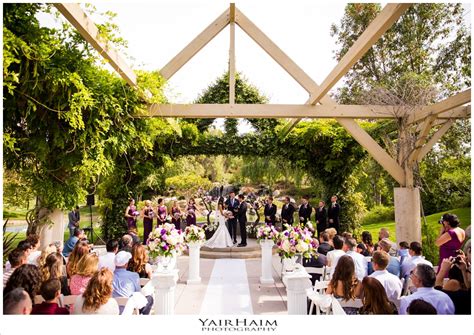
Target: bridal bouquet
{"type": "Point", "coordinates": [266, 232]}
{"type": "Point", "coordinates": [295, 240]}
{"type": "Point", "coordinates": [165, 240]}
{"type": "Point", "coordinates": [136, 213]}
{"type": "Point", "coordinates": [194, 233]}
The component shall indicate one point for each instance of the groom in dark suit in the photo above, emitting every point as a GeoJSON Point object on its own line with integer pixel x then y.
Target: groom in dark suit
{"type": "Point", "coordinates": [270, 211]}
{"type": "Point", "coordinates": [334, 209]}
{"type": "Point", "coordinates": [242, 217]}
{"type": "Point", "coordinates": [232, 204]}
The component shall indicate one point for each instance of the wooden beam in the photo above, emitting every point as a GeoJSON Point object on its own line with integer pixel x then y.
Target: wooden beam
{"type": "Point", "coordinates": [269, 111]}
{"type": "Point", "coordinates": [87, 28]}
{"type": "Point", "coordinates": [462, 112]}
{"type": "Point", "coordinates": [374, 149]}
{"type": "Point", "coordinates": [422, 136]}
{"type": "Point", "coordinates": [274, 51]}
{"type": "Point", "coordinates": [195, 45]}
{"type": "Point", "coordinates": [232, 55]}
{"type": "Point", "coordinates": [387, 17]}
{"type": "Point", "coordinates": [442, 106]}
{"type": "Point", "coordinates": [434, 139]}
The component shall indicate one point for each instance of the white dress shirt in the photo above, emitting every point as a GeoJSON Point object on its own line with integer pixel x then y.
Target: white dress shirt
{"type": "Point", "coordinates": [107, 261]}
{"type": "Point", "coordinates": [33, 257]}
{"type": "Point", "coordinates": [332, 258]}
{"type": "Point", "coordinates": [360, 264]}
{"type": "Point", "coordinates": [391, 283]}
{"type": "Point", "coordinates": [410, 263]}
{"type": "Point", "coordinates": [440, 300]}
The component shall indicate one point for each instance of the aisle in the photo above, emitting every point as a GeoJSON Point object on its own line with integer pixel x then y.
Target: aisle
{"type": "Point", "coordinates": [228, 289]}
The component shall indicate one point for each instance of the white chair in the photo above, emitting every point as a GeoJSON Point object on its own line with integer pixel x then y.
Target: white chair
{"type": "Point", "coordinates": [352, 303]}
{"type": "Point", "coordinates": [318, 271]}
{"type": "Point", "coordinates": [336, 307]}
{"type": "Point", "coordinates": [322, 303]}
{"type": "Point", "coordinates": [315, 294]}
{"type": "Point", "coordinates": [67, 300]}
{"type": "Point", "coordinates": [144, 281]}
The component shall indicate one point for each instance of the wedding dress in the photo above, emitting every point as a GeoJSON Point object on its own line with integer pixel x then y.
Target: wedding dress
{"type": "Point", "coordinates": [221, 237]}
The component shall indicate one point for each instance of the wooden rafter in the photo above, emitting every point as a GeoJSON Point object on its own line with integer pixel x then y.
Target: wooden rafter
{"type": "Point", "coordinates": [270, 111]}
{"type": "Point", "coordinates": [232, 54]}
{"type": "Point", "coordinates": [387, 17]}
{"type": "Point", "coordinates": [442, 106]}
{"type": "Point", "coordinates": [422, 136]}
{"type": "Point", "coordinates": [87, 28]}
{"type": "Point", "coordinates": [434, 139]}
{"type": "Point", "coordinates": [195, 45]}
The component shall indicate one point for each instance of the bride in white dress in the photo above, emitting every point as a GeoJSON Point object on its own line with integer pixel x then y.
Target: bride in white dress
{"type": "Point", "coordinates": [221, 237]}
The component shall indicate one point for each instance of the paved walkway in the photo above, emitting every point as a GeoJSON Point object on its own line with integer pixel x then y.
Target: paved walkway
{"type": "Point", "coordinates": [230, 286]}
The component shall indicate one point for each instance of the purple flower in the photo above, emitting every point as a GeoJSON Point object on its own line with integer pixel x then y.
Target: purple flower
{"type": "Point", "coordinates": [163, 231]}
{"type": "Point", "coordinates": [165, 247]}
{"type": "Point", "coordinates": [287, 233]}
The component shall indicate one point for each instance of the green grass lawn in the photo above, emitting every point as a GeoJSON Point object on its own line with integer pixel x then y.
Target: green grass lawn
{"type": "Point", "coordinates": [464, 215]}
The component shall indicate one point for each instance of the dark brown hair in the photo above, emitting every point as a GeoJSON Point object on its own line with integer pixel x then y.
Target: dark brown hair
{"type": "Point", "coordinates": [375, 298]}
{"type": "Point", "coordinates": [27, 276]}
{"type": "Point", "coordinates": [345, 273]}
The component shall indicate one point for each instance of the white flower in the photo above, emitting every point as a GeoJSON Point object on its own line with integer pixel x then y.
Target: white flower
{"type": "Point", "coordinates": [302, 246]}
{"type": "Point", "coordinates": [286, 245]}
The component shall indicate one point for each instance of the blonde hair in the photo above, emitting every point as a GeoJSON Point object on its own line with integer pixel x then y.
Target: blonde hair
{"type": "Point", "coordinates": [98, 290]}
{"type": "Point", "coordinates": [331, 232]}
{"type": "Point", "coordinates": [45, 253]}
{"type": "Point", "coordinates": [80, 249]}
{"type": "Point", "coordinates": [53, 267]}
{"type": "Point", "coordinates": [87, 265]}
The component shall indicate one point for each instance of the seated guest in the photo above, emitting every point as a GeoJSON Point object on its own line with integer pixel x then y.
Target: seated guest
{"type": "Point", "coordinates": [71, 242]}
{"type": "Point", "coordinates": [415, 257]}
{"type": "Point", "coordinates": [27, 276]}
{"type": "Point", "coordinates": [334, 255]}
{"type": "Point", "coordinates": [403, 253]}
{"type": "Point", "coordinates": [17, 301]}
{"type": "Point", "coordinates": [344, 284]}
{"type": "Point", "coordinates": [359, 261]}
{"type": "Point", "coordinates": [331, 232]}
{"type": "Point", "coordinates": [345, 235]}
{"type": "Point", "coordinates": [375, 298]}
{"type": "Point", "coordinates": [420, 307]}
{"type": "Point", "coordinates": [97, 298]}
{"type": "Point", "coordinates": [424, 278]}
{"type": "Point", "coordinates": [394, 264]}
{"type": "Point", "coordinates": [391, 283]}
{"type": "Point", "coordinates": [50, 291]}
{"type": "Point", "coordinates": [316, 261]}
{"type": "Point", "coordinates": [367, 241]}
{"type": "Point", "coordinates": [125, 282]}
{"type": "Point", "coordinates": [16, 257]}
{"type": "Point", "coordinates": [385, 234]}
{"type": "Point", "coordinates": [45, 253]}
{"type": "Point", "coordinates": [361, 249]}
{"type": "Point", "coordinates": [126, 243]}
{"type": "Point", "coordinates": [53, 269]}
{"type": "Point", "coordinates": [139, 262]}
{"type": "Point", "coordinates": [324, 246]}
{"type": "Point", "coordinates": [455, 286]}
{"type": "Point", "coordinates": [134, 234]}
{"type": "Point", "coordinates": [34, 240]}
{"type": "Point", "coordinates": [86, 268]}
{"type": "Point", "coordinates": [108, 260]}
{"type": "Point", "coordinates": [24, 246]}
{"type": "Point", "coordinates": [80, 249]}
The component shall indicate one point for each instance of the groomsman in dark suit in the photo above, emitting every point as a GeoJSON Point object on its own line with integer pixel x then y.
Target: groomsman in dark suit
{"type": "Point", "coordinates": [333, 213]}
{"type": "Point", "coordinates": [242, 217]}
{"type": "Point", "coordinates": [287, 212]}
{"type": "Point", "coordinates": [270, 212]}
{"type": "Point", "coordinates": [321, 218]}
{"type": "Point", "coordinates": [305, 210]}
{"type": "Point", "coordinates": [232, 204]}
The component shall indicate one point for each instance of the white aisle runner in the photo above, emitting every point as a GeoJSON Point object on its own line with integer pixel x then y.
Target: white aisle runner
{"type": "Point", "coordinates": [228, 289]}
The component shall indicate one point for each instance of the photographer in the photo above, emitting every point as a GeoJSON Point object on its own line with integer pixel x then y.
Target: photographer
{"type": "Point", "coordinates": [450, 238]}
{"type": "Point", "coordinates": [457, 287]}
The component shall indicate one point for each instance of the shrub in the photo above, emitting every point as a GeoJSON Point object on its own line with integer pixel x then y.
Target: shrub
{"type": "Point", "coordinates": [379, 214]}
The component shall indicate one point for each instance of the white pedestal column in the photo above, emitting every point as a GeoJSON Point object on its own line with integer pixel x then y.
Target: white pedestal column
{"type": "Point", "coordinates": [54, 232]}
{"type": "Point", "coordinates": [267, 246]}
{"type": "Point", "coordinates": [194, 260]}
{"type": "Point", "coordinates": [297, 283]}
{"type": "Point", "coordinates": [407, 214]}
{"type": "Point", "coordinates": [165, 284]}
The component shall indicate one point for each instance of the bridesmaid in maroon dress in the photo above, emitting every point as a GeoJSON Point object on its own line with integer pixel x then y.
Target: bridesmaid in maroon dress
{"type": "Point", "coordinates": [131, 215]}
{"type": "Point", "coordinates": [191, 212]}
{"type": "Point", "coordinates": [147, 214]}
{"type": "Point", "coordinates": [161, 212]}
{"type": "Point", "coordinates": [176, 215]}
{"type": "Point", "coordinates": [451, 237]}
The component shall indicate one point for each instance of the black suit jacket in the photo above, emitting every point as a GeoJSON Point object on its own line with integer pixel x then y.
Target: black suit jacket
{"type": "Point", "coordinates": [321, 216]}
{"type": "Point", "coordinates": [305, 212]}
{"type": "Point", "coordinates": [271, 212]}
{"type": "Point", "coordinates": [315, 262]}
{"type": "Point", "coordinates": [287, 213]}
{"type": "Point", "coordinates": [234, 208]}
{"type": "Point", "coordinates": [324, 248]}
{"type": "Point", "coordinates": [242, 214]}
{"type": "Point", "coordinates": [333, 212]}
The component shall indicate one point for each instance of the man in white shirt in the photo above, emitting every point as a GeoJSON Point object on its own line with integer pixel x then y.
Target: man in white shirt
{"type": "Point", "coordinates": [34, 252]}
{"type": "Point", "coordinates": [391, 283]}
{"type": "Point", "coordinates": [359, 261]}
{"type": "Point", "coordinates": [108, 260]}
{"type": "Point", "coordinates": [385, 234]}
{"type": "Point", "coordinates": [334, 255]}
{"type": "Point", "coordinates": [424, 278]}
{"type": "Point", "coordinates": [415, 258]}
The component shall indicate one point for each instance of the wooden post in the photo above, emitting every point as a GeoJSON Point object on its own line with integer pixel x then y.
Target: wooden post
{"type": "Point", "coordinates": [232, 55]}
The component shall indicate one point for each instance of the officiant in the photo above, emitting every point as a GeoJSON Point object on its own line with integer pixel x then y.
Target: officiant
{"type": "Point", "coordinates": [232, 205]}
{"type": "Point", "coordinates": [242, 217]}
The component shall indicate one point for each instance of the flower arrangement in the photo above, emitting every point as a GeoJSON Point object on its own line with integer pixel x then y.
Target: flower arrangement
{"type": "Point", "coordinates": [265, 232]}
{"type": "Point", "coordinates": [165, 240]}
{"type": "Point", "coordinates": [251, 231]}
{"type": "Point", "coordinates": [136, 213]}
{"type": "Point", "coordinates": [194, 233]}
{"type": "Point", "coordinates": [296, 240]}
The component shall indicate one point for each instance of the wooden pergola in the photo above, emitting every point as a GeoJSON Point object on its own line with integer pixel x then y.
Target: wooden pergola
{"type": "Point", "coordinates": [439, 116]}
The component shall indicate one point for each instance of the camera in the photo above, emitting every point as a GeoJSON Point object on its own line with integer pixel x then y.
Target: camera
{"type": "Point", "coordinates": [457, 260]}
{"type": "Point", "coordinates": [441, 220]}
